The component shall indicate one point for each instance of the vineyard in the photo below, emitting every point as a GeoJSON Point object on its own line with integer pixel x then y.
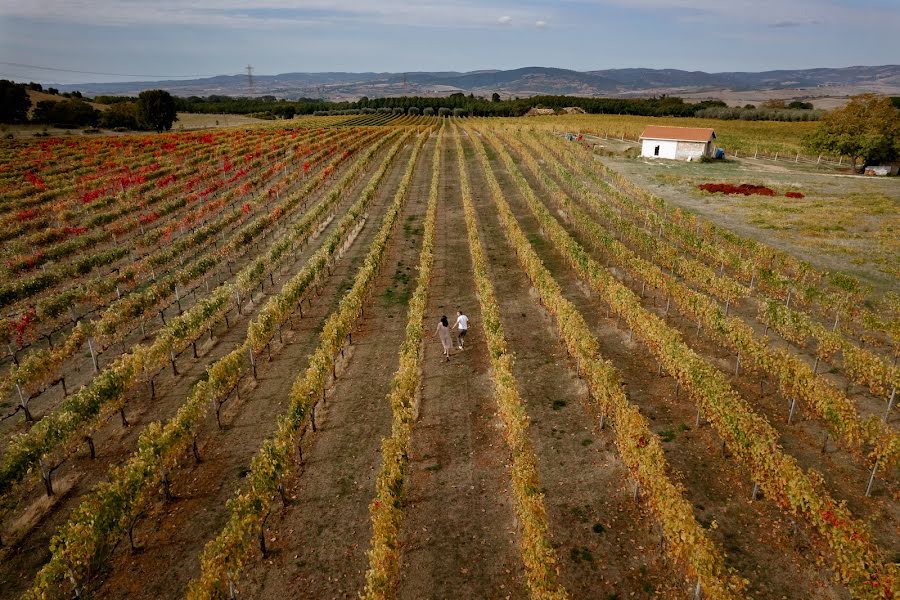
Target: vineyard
{"type": "Point", "coordinates": [220, 376]}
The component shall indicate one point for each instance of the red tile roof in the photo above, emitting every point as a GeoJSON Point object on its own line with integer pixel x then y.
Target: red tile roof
{"type": "Point", "coordinates": [681, 134]}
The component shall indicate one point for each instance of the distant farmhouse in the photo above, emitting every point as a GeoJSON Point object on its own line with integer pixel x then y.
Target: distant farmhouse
{"type": "Point", "coordinates": [678, 143]}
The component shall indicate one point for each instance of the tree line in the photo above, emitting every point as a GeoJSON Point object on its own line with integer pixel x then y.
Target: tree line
{"type": "Point", "coordinates": [152, 110]}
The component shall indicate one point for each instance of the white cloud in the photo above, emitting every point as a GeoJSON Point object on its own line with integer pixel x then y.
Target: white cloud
{"type": "Point", "coordinates": [270, 13]}
{"type": "Point", "coordinates": [540, 24]}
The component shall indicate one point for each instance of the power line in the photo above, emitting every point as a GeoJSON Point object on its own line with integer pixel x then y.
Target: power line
{"type": "Point", "coordinates": [13, 64]}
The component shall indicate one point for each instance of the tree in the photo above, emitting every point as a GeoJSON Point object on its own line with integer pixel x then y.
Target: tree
{"type": "Point", "coordinates": [867, 128]}
{"type": "Point", "coordinates": [71, 111]}
{"type": "Point", "coordinates": [121, 114]}
{"type": "Point", "coordinates": [14, 102]}
{"type": "Point", "coordinates": [495, 97]}
{"type": "Point", "coordinates": [156, 109]}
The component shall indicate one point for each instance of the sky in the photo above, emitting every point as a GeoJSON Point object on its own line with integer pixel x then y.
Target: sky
{"type": "Point", "coordinates": [77, 41]}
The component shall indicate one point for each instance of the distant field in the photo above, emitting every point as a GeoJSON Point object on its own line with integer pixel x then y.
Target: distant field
{"type": "Point", "coordinates": [204, 121]}
{"type": "Point", "coordinates": [744, 136]}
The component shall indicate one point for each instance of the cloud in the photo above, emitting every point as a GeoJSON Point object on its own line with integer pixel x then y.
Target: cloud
{"type": "Point", "coordinates": [268, 14]}
{"type": "Point", "coordinates": [540, 24]}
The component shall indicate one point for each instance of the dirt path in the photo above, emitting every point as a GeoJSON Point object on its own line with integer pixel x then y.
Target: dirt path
{"type": "Point", "coordinates": [759, 541]}
{"type": "Point", "coordinates": [318, 543]}
{"type": "Point", "coordinates": [114, 442]}
{"type": "Point", "coordinates": [595, 524]}
{"type": "Point", "coordinates": [459, 537]}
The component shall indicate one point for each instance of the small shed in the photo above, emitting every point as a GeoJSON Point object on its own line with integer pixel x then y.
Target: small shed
{"type": "Point", "coordinates": [678, 143]}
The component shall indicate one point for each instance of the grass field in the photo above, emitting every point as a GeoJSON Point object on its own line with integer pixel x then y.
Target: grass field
{"type": "Point", "coordinates": [223, 374]}
{"type": "Point", "coordinates": [843, 223]}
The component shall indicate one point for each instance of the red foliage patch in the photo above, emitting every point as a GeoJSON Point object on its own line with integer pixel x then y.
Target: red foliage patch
{"type": "Point", "coordinates": [744, 189]}
{"type": "Point", "coordinates": [88, 197]}
{"type": "Point", "coordinates": [793, 195]}
{"type": "Point", "coordinates": [148, 218]}
{"type": "Point", "coordinates": [164, 181]}
{"type": "Point", "coordinates": [35, 180]}
{"type": "Point", "coordinates": [26, 214]}
{"type": "Point", "coordinates": [23, 324]}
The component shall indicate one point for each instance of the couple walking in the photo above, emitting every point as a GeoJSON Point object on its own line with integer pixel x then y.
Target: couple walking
{"type": "Point", "coordinates": [443, 332]}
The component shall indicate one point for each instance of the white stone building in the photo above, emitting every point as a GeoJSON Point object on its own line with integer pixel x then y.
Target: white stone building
{"type": "Point", "coordinates": [677, 143]}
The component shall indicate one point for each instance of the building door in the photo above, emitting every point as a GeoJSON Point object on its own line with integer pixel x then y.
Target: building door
{"type": "Point", "coordinates": [656, 151]}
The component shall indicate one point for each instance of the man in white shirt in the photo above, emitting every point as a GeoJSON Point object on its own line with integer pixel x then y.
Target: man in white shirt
{"type": "Point", "coordinates": [462, 323]}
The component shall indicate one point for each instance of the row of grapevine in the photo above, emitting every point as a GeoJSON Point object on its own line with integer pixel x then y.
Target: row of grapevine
{"type": "Point", "coordinates": [24, 288]}
{"type": "Point", "coordinates": [639, 447]}
{"type": "Point", "coordinates": [861, 365]}
{"type": "Point", "coordinates": [111, 510]}
{"type": "Point", "coordinates": [541, 571]}
{"type": "Point", "coordinates": [386, 508]}
{"type": "Point", "coordinates": [223, 557]}
{"type": "Point", "coordinates": [855, 559]}
{"type": "Point", "coordinates": [56, 435]}
{"type": "Point", "coordinates": [39, 367]}
{"type": "Point", "coordinates": [833, 295]}
{"type": "Point", "coordinates": [794, 377]}
{"type": "Point", "coordinates": [146, 264]}
{"type": "Point", "coordinates": [67, 190]}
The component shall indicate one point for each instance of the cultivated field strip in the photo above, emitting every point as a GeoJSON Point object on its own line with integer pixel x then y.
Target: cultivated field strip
{"type": "Point", "coordinates": [39, 369]}
{"type": "Point", "coordinates": [126, 219]}
{"type": "Point", "coordinates": [57, 277]}
{"type": "Point", "coordinates": [58, 434]}
{"type": "Point", "coordinates": [846, 479]}
{"type": "Point", "coordinates": [223, 557]}
{"type": "Point", "coordinates": [638, 446]}
{"type": "Point", "coordinates": [795, 379]}
{"type": "Point", "coordinates": [834, 298]}
{"type": "Point", "coordinates": [387, 505]}
{"type": "Point", "coordinates": [65, 181]}
{"type": "Point", "coordinates": [229, 195]}
{"type": "Point", "coordinates": [53, 308]}
{"type": "Point", "coordinates": [856, 561]}
{"type": "Point", "coordinates": [537, 551]}
{"type": "Point", "coordinates": [116, 440]}
{"type": "Point", "coordinates": [861, 365]}
{"type": "Point", "coordinates": [123, 498]}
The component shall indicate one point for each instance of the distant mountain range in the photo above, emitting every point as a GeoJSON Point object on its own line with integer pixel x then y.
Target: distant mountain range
{"type": "Point", "coordinates": [528, 81]}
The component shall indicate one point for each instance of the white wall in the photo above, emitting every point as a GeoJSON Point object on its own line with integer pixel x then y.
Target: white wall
{"type": "Point", "coordinates": [667, 148]}
{"type": "Point", "coordinates": [687, 150]}
{"type": "Point", "coordinates": [675, 150]}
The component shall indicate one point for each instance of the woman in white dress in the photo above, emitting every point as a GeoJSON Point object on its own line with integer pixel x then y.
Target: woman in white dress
{"type": "Point", "coordinates": [443, 333]}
